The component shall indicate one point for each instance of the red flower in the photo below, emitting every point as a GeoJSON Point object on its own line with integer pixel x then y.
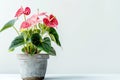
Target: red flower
{"type": "Point", "coordinates": [25, 24]}
{"type": "Point", "coordinates": [27, 11]}
{"type": "Point", "coordinates": [19, 12]}
{"type": "Point", "coordinates": [50, 21]}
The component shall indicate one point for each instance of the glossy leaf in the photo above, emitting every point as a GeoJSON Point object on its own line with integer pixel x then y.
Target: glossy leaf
{"type": "Point", "coordinates": [43, 28]}
{"type": "Point", "coordinates": [35, 39]}
{"type": "Point", "coordinates": [46, 44]}
{"type": "Point", "coordinates": [54, 36]}
{"type": "Point", "coordinates": [18, 41]}
{"type": "Point", "coordinates": [52, 52]}
{"type": "Point", "coordinates": [8, 24]}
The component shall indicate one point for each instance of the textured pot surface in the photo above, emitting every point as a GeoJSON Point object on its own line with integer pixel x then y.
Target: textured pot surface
{"type": "Point", "coordinates": [33, 67]}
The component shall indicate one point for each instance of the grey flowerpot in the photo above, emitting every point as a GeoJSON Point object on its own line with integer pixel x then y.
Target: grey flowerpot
{"type": "Point", "coordinates": [33, 67]}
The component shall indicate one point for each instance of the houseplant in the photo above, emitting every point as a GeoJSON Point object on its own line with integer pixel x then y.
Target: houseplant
{"type": "Point", "coordinates": [34, 36]}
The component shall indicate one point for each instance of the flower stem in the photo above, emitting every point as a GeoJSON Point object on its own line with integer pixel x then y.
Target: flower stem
{"type": "Point", "coordinates": [16, 30]}
{"type": "Point", "coordinates": [24, 17]}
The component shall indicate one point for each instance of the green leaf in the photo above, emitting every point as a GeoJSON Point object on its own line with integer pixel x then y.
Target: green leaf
{"type": "Point", "coordinates": [8, 25]}
{"type": "Point", "coordinates": [43, 28]}
{"type": "Point", "coordinates": [46, 44]}
{"type": "Point", "coordinates": [35, 39]}
{"type": "Point", "coordinates": [36, 30]}
{"type": "Point", "coordinates": [47, 40]}
{"type": "Point", "coordinates": [10, 50]}
{"type": "Point", "coordinates": [26, 35]}
{"type": "Point", "coordinates": [18, 41]}
{"type": "Point", "coordinates": [52, 52]}
{"type": "Point", "coordinates": [54, 36]}
{"type": "Point", "coordinates": [24, 49]}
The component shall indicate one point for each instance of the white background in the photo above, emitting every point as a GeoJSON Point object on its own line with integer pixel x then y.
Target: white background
{"type": "Point", "coordinates": [89, 32]}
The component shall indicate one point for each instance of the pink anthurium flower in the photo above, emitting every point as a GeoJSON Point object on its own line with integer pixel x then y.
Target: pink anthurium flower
{"type": "Point", "coordinates": [33, 20]}
{"type": "Point", "coordinates": [25, 25]}
{"type": "Point", "coordinates": [50, 21]}
{"type": "Point", "coordinates": [19, 12]}
{"type": "Point", "coordinates": [27, 11]}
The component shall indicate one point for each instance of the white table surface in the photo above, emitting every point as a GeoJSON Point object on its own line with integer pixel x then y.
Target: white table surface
{"type": "Point", "coordinates": [67, 77]}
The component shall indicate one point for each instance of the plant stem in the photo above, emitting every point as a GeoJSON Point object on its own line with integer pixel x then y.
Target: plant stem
{"type": "Point", "coordinates": [18, 34]}
{"type": "Point", "coordinates": [24, 17]}
{"type": "Point", "coordinates": [16, 30]}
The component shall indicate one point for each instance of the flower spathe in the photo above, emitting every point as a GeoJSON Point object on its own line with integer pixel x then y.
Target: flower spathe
{"type": "Point", "coordinates": [34, 19]}
{"type": "Point", "coordinates": [27, 11]}
{"type": "Point", "coordinates": [50, 21]}
{"type": "Point", "coordinates": [19, 12]}
{"type": "Point", "coordinates": [25, 24]}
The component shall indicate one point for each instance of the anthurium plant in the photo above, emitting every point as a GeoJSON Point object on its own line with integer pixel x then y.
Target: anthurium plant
{"type": "Point", "coordinates": [36, 32]}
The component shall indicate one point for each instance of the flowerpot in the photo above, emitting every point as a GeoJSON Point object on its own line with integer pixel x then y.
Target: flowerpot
{"type": "Point", "coordinates": [33, 67]}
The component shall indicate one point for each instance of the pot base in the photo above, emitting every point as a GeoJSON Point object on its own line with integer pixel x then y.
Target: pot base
{"type": "Point", "coordinates": [34, 78]}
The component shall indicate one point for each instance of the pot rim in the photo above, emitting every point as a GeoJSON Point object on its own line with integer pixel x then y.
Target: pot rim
{"type": "Point", "coordinates": [36, 56]}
